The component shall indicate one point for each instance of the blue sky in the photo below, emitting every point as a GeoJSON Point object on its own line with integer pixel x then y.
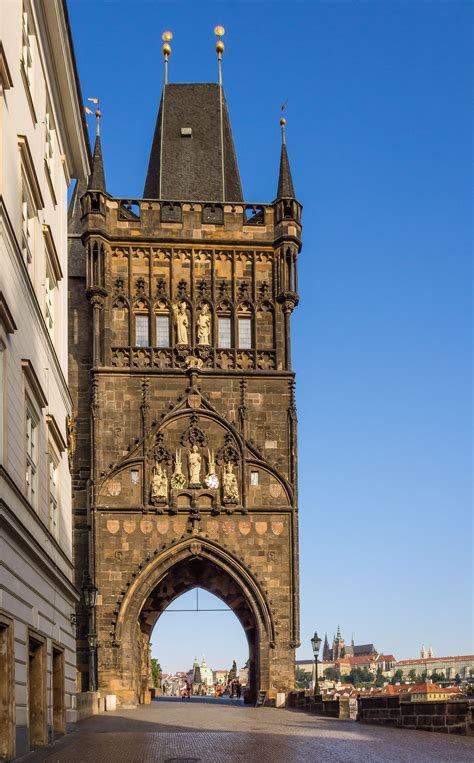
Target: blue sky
{"type": "Point", "coordinates": [379, 137]}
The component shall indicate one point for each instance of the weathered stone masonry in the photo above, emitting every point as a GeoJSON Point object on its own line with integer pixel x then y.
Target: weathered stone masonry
{"type": "Point", "coordinates": [145, 404]}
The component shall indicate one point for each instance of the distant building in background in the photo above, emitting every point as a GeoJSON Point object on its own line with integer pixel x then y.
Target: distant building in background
{"type": "Point", "coordinates": [220, 676]}
{"type": "Point", "coordinates": [339, 650]}
{"type": "Point", "coordinates": [461, 665]}
{"type": "Point", "coordinates": [43, 143]}
{"type": "Point", "coordinates": [244, 674]}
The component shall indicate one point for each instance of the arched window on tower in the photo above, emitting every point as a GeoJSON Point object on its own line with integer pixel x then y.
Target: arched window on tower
{"type": "Point", "coordinates": [245, 326]}
{"type": "Point", "coordinates": [224, 326]}
{"type": "Point", "coordinates": [162, 324]}
{"type": "Point", "coordinates": [142, 324]}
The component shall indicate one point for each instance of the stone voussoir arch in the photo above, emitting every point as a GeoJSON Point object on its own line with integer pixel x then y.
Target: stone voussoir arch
{"type": "Point", "coordinates": [159, 566]}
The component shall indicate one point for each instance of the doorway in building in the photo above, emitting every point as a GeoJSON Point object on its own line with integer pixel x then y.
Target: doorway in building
{"type": "Point", "coordinates": [59, 709]}
{"type": "Point", "coordinates": [37, 705]}
{"type": "Point", "coordinates": [7, 684]}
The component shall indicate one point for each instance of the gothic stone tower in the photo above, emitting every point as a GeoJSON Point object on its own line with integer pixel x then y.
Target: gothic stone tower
{"type": "Point", "coordinates": [185, 463]}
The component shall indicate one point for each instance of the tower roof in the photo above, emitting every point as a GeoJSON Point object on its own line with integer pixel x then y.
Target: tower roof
{"type": "Point", "coordinates": [191, 158]}
{"type": "Point", "coordinates": [97, 178]}
{"type": "Point", "coordinates": [285, 181]}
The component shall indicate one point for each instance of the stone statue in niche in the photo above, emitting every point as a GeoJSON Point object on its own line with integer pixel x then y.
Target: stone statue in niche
{"type": "Point", "coordinates": [182, 322]}
{"type": "Point", "coordinates": [204, 326]}
{"type": "Point", "coordinates": [230, 484]}
{"type": "Point", "coordinates": [194, 465]}
{"type": "Point", "coordinates": [211, 479]}
{"type": "Point", "coordinates": [159, 484]}
{"type": "Point", "coordinates": [178, 480]}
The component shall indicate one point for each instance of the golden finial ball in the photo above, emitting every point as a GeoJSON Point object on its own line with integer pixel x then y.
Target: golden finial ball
{"type": "Point", "coordinates": [167, 36]}
{"type": "Point", "coordinates": [98, 114]}
{"type": "Point", "coordinates": [166, 49]}
{"type": "Point", "coordinates": [219, 47]}
{"type": "Point", "coordinates": [219, 31]}
{"type": "Point", "coordinates": [283, 121]}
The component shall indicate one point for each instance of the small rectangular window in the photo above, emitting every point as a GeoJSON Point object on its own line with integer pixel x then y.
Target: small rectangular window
{"type": "Point", "coordinates": [48, 138]}
{"type": "Point", "coordinates": [50, 295]}
{"type": "Point", "coordinates": [162, 331]}
{"type": "Point", "coordinates": [141, 330]}
{"type": "Point", "coordinates": [26, 54]}
{"type": "Point", "coordinates": [27, 222]}
{"type": "Point", "coordinates": [135, 477]}
{"type": "Point", "coordinates": [245, 333]}
{"type": "Point", "coordinates": [224, 328]}
{"type": "Point", "coordinates": [31, 455]}
{"type": "Point", "coordinates": [254, 478]}
{"type": "Point", "coordinates": [53, 496]}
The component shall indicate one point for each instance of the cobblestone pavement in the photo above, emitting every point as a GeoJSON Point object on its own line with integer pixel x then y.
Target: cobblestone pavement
{"type": "Point", "coordinates": [185, 731]}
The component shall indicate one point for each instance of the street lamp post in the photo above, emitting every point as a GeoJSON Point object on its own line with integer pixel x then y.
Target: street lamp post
{"type": "Point", "coordinates": [316, 643]}
{"type": "Point", "coordinates": [90, 592]}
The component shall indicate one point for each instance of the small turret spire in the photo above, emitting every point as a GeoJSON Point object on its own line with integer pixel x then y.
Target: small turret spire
{"type": "Point", "coordinates": [97, 177]}
{"type": "Point", "coordinates": [285, 181]}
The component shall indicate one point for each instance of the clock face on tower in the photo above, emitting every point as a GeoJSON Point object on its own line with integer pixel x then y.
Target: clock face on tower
{"type": "Point", "coordinates": [212, 481]}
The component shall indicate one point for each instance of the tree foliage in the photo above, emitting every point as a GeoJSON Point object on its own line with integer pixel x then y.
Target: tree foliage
{"type": "Point", "coordinates": [303, 679]}
{"type": "Point", "coordinates": [397, 677]}
{"type": "Point", "coordinates": [155, 672]}
{"type": "Point", "coordinates": [359, 676]}
{"type": "Point", "coordinates": [332, 674]}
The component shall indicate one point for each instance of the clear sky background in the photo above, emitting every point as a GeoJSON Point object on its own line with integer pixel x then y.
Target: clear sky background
{"type": "Point", "coordinates": [379, 137]}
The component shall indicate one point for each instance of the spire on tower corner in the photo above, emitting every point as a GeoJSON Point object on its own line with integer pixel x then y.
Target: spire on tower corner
{"type": "Point", "coordinates": [97, 177]}
{"type": "Point", "coordinates": [285, 181]}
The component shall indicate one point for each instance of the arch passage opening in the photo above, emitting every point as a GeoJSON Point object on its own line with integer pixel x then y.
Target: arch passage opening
{"type": "Point", "coordinates": [191, 576]}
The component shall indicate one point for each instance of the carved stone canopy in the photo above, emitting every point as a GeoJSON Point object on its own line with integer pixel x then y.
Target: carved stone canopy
{"type": "Point", "coordinates": [194, 434]}
{"type": "Point", "coordinates": [227, 453]}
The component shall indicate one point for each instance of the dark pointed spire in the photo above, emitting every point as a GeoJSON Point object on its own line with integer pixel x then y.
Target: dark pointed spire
{"type": "Point", "coordinates": [76, 251]}
{"type": "Point", "coordinates": [74, 212]}
{"type": "Point", "coordinates": [97, 178]}
{"type": "Point", "coordinates": [285, 181]}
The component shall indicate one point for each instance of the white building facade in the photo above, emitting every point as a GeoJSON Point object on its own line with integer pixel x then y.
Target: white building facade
{"type": "Point", "coordinates": [43, 145]}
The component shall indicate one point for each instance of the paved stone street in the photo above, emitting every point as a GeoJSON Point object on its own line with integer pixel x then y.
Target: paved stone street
{"type": "Point", "coordinates": [172, 731]}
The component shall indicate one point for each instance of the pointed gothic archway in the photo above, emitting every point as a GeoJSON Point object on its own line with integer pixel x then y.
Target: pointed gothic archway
{"type": "Point", "coordinates": [192, 562]}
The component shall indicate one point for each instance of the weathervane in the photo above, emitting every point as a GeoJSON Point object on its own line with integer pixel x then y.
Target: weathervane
{"type": "Point", "coordinates": [98, 113]}
{"type": "Point", "coordinates": [219, 31]}
{"type": "Point", "coordinates": [283, 121]}
{"type": "Point", "coordinates": [166, 50]}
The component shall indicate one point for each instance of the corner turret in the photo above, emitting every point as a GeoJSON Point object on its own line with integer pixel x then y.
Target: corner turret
{"type": "Point", "coordinates": [97, 177]}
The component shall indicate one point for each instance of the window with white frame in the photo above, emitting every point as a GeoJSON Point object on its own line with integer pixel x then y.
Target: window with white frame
{"type": "Point", "coordinates": [31, 447]}
{"type": "Point", "coordinates": [48, 138]}
{"type": "Point", "coordinates": [50, 298]}
{"type": "Point", "coordinates": [27, 227]}
{"type": "Point", "coordinates": [224, 326]}
{"type": "Point", "coordinates": [27, 49]}
{"type": "Point", "coordinates": [53, 494]}
{"type": "Point", "coordinates": [141, 330]}
{"type": "Point", "coordinates": [52, 276]}
{"type": "Point", "coordinates": [245, 333]}
{"type": "Point", "coordinates": [162, 331]}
